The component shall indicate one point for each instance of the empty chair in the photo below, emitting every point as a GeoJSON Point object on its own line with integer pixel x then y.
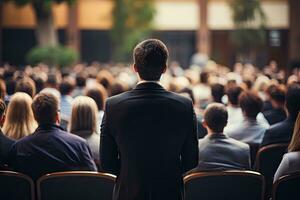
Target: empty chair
{"type": "Point", "coordinates": [231, 185]}
{"type": "Point", "coordinates": [287, 187]}
{"type": "Point", "coordinates": [267, 161]}
{"type": "Point", "coordinates": [75, 186]}
{"type": "Point", "coordinates": [15, 186]}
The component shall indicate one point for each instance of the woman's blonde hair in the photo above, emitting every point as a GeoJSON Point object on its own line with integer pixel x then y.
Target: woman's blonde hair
{"type": "Point", "coordinates": [84, 115]}
{"type": "Point", "coordinates": [295, 142]}
{"type": "Point", "coordinates": [19, 120]}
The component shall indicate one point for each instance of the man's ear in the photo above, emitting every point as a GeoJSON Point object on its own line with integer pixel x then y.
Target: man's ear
{"type": "Point", "coordinates": [135, 68]}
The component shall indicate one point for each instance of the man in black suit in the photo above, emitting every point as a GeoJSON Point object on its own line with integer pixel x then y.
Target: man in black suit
{"type": "Point", "coordinates": [149, 135]}
{"type": "Point", "coordinates": [5, 142]}
{"type": "Point", "coordinates": [216, 150]}
{"type": "Point", "coordinates": [282, 132]}
{"type": "Point", "coordinates": [50, 148]}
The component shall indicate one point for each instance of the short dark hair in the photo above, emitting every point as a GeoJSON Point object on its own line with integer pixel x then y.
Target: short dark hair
{"type": "Point", "coordinates": [293, 99]}
{"type": "Point", "coordinates": [45, 108]}
{"type": "Point", "coordinates": [276, 93]}
{"type": "Point", "coordinates": [216, 116]}
{"type": "Point", "coordinates": [99, 94]}
{"type": "Point", "coordinates": [217, 92]}
{"type": "Point", "coordinates": [66, 87]}
{"type": "Point", "coordinates": [81, 79]}
{"type": "Point", "coordinates": [233, 94]}
{"type": "Point", "coordinates": [2, 107]}
{"type": "Point", "coordinates": [52, 80]}
{"type": "Point", "coordinates": [26, 85]}
{"type": "Point", "coordinates": [251, 104]}
{"type": "Point", "coordinates": [150, 59]}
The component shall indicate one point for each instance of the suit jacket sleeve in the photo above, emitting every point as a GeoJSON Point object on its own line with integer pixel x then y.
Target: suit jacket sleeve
{"type": "Point", "coordinates": [190, 151]}
{"type": "Point", "coordinates": [109, 156]}
{"type": "Point", "coordinates": [87, 159]}
{"type": "Point", "coordinates": [266, 139]}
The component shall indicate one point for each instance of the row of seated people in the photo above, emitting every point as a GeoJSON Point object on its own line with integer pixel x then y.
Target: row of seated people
{"type": "Point", "coordinates": [55, 151]}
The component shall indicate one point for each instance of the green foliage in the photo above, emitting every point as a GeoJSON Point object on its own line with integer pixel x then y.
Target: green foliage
{"type": "Point", "coordinates": [132, 22]}
{"type": "Point", "coordinates": [249, 21]}
{"type": "Point", "coordinates": [58, 56]}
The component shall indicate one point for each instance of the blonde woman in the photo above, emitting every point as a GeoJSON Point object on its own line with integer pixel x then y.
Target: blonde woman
{"type": "Point", "coordinates": [291, 161]}
{"type": "Point", "coordinates": [19, 120]}
{"type": "Point", "coordinates": [84, 122]}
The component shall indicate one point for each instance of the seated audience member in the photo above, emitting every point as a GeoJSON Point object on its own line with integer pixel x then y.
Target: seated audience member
{"type": "Point", "coordinates": [19, 120]}
{"type": "Point", "coordinates": [10, 89]}
{"type": "Point", "coordinates": [282, 132]}
{"type": "Point", "coordinates": [49, 149]}
{"type": "Point", "coordinates": [84, 122]}
{"type": "Point", "coordinates": [81, 79]}
{"type": "Point", "coordinates": [99, 94]}
{"type": "Point", "coordinates": [291, 162]}
{"type": "Point", "coordinates": [52, 86]}
{"type": "Point", "coordinates": [5, 142]}
{"type": "Point", "coordinates": [118, 87]}
{"type": "Point", "coordinates": [66, 101]}
{"type": "Point", "coordinates": [27, 86]}
{"type": "Point", "coordinates": [217, 92]}
{"type": "Point", "coordinates": [2, 89]}
{"type": "Point", "coordinates": [276, 96]}
{"type": "Point", "coordinates": [105, 78]}
{"type": "Point", "coordinates": [250, 130]}
{"type": "Point", "coordinates": [216, 150]}
{"type": "Point", "coordinates": [39, 83]}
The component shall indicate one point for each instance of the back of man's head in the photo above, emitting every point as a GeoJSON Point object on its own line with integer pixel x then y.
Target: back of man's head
{"type": "Point", "coordinates": [276, 94]}
{"type": "Point", "coordinates": [293, 100]}
{"type": "Point", "coordinates": [150, 59]}
{"type": "Point", "coordinates": [215, 117]}
{"type": "Point", "coordinates": [45, 108]}
{"type": "Point", "coordinates": [217, 92]}
{"type": "Point", "coordinates": [233, 94]}
{"type": "Point", "coordinates": [251, 104]}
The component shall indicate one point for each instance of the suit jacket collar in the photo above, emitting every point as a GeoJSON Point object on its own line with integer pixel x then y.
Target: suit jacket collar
{"type": "Point", "coordinates": [216, 136]}
{"type": "Point", "coordinates": [48, 127]}
{"type": "Point", "coordinates": [149, 86]}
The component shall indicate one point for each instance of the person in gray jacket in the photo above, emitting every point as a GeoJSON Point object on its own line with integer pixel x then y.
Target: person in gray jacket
{"type": "Point", "coordinates": [217, 151]}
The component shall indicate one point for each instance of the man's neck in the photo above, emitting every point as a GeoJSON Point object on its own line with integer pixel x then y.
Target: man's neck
{"type": "Point", "coordinates": [145, 81]}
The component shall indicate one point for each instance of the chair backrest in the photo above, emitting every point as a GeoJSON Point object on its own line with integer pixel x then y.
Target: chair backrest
{"type": "Point", "coordinates": [75, 185]}
{"type": "Point", "coordinates": [267, 161]}
{"type": "Point", "coordinates": [253, 151]}
{"type": "Point", "coordinates": [16, 186]}
{"type": "Point", "coordinates": [287, 187]}
{"type": "Point", "coordinates": [233, 185]}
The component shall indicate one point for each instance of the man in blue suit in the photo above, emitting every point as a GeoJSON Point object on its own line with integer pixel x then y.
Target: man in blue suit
{"type": "Point", "coordinates": [49, 148]}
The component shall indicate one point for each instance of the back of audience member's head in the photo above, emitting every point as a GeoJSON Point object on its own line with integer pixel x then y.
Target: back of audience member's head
{"type": "Point", "coordinates": [52, 81]}
{"type": "Point", "coordinates": [98, 94]}
{"type": "Point", "coordinates": [45, 108]}
{"type": "Point", "coordinates": [66, 87]}
{"type": "Point", "coordinates": [251, 104]}
{"type": "Point", "coordinates": [19, 120]}
{"type": "Point", "coordinates": [84, 115]}
{"type": "Point", "coordinates": [295, 142]}
{"type": "Point", "coordinates": [293, 99]}
{"type": "Point", "coordinates": [105, 78]}
{"type": "Point", "coordinates": [204, 77]}
{"type": "Point", "coordinates": [81, 79]}
{"type": "Point", "coordinates": [39, 83]}
{"type": "Point", "coordinates": [2, 112]}
{"type": "Point", "coordinates": [276, 94]}
{"type": "Point", "coordinates": [233, 94]}
{"type": "Point", "coordinates": [150, 59]}
{"type": "Point", "coordinates": [10, 86]}
{"type": "Point", "coordinates": [118, 87]}
{"type": "Point", "coordinates": [27, 86]}
{"type": "Point", "coordinates": [2, 89]}
{"type": "Point", "coordinates": [217, 92]}
{"type": "Point", "coordinates": [215, 117]}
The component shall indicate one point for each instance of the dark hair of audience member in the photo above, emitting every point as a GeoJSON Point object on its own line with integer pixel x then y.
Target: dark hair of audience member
{"type": "Point", "coordinates": [81, 79]}
{"type": "Point", "coordinates": [10, 86]}
{"type": "Point", "coordinates": [106, 79]}
{"type": "Point", "coordinates": [276, 93]}
{"type": "Point", "coordinates": [99, 94]}
{"type": "Point", "coordinates": [45, 108]}
{"type": "Point", "coordinates": [204, 77]}
{"type": "Point", "coordinates": [2, 108]}
{"type": "Point", "coordinates": [248, 84]}
{"type": "Point", "coordinates": [27, 86]}
{"type": "Point", "coordinates": [52, 81]}
{"type": "Point", "coordinates": [251, 104]}
{"type": "Point", "coordinates": [217, 92]}
{"type": "Point", "coordinates": [189, 92]}
{"type": "Point", "coordinates": [215, 117]}
{"type": "Point", "coordinates": [293, 100]}
{"type": "Point", "coordinates": [39, 84]}
{"type": "Point", "coordinates": [295, 142]}
{"type": "Point", "coordinates": [150, 59]}
{"type": "Point", "coordinates": [233, 94]}
{"type": "Point", "coordinates": [118, 87]}
{"type": "Point", "coordinates": [66, 87]}
{"type": "Point", "coordinates": [2, 89]}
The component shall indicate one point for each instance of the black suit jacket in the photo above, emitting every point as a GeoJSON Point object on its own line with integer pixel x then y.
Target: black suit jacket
{"type": "Point", "coordinates": [281, 132]}
{"type": "Point", "coordinates": [5, 145]}
{"type": "Point", "coordinates": [50, 149]}
{"type": "Point", "coordinates": [274, 116]}
{"type": "Point", "coordinates": [148, 139]}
